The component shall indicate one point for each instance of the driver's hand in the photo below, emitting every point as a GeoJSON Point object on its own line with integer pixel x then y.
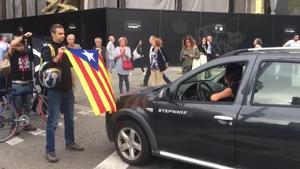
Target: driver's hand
{"type": "Point", "coordinates": [214, 98]}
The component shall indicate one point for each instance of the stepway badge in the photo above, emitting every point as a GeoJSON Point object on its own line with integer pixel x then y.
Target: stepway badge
{"type": "Point", "coordinates": [172, 111]}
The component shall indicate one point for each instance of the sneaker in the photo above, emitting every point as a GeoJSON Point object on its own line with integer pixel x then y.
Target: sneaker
{"type": "Point", "coordinates": [29, 128]}
{"type": "Point", "coordinates": [144, 73]}
{"type": "Point", "coordinates": [74, 147]}
{"type": "Point", "coordinates": [51, 157]}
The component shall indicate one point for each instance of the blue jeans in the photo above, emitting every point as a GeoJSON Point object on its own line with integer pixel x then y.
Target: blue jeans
{"type": "Point", "coordinates": [110, 64]}
{"type": "Point", "coordinates": [60, 102]}
{"type": "Point", "coordinates": [21, 97]}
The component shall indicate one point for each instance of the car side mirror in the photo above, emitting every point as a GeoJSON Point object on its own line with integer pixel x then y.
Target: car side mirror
{"type": "Point", "coordinates": [164, 94]}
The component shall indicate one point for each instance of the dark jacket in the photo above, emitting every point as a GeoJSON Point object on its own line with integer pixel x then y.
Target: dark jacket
{"type": "Point", "coordinates": [65, 65]}
{"type": "Point", "coordinates": [162, 59]}
{"type": "Point", "coordinates": [103, 53]}
{"type": "Point", "coordinates": [203, 48]}
{"type": "Point", "coordinates": [214, 52]}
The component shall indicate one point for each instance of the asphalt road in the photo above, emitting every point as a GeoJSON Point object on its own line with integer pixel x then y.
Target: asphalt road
{"type": "Point", "coordinates": [27, 150]}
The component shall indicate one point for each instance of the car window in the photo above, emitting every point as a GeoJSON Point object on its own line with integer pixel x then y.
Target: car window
{"type": "Point", "coordinates": [213, 79]}
{"type": "Point", "coordinates": [278, 83]}
{"type": "Point", "coordinates": [212, 74]}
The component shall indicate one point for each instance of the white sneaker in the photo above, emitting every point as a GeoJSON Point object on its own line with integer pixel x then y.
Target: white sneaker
{"type": "Point", "coordinates": [144, 73]}
{"type": "Point", "coordinates": [130, 74]}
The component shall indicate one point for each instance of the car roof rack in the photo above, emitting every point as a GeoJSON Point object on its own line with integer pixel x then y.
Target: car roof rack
{"type": "Point", "coordinates": [265, 50]}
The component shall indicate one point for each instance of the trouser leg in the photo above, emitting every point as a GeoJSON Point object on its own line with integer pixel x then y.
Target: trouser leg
{"type": "Point", "coordinates": [126, 83]}
{"type": "Point", "coordinates": [67, 108]}
{"type": "Point", "coordinates": [54, 103]}
{"type": "Point", "coordinates": [153, 78]}
{"type": "Point", "coordinates": [121, 78]}
{"type": "Point", "coordinates": [166, 79]}
{"type": "Point", "coordinates": [147, 76]}
{"type": "Point", "coordinates": [159, 76]}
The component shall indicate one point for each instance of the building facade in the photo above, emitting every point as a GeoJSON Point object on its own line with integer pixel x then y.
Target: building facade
{"type": "Point", "coordinates": [21, 8]}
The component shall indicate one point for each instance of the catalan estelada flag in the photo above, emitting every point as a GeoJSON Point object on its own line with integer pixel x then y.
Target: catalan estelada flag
{"type": "Point", "coordinates": [93, 78]}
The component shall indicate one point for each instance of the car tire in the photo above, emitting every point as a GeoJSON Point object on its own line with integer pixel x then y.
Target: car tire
{"type": "Point", "coordinates": [131, 143]}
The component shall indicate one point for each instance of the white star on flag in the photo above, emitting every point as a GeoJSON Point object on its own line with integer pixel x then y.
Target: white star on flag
{"type": "Point", "coordinates": [89, 55]}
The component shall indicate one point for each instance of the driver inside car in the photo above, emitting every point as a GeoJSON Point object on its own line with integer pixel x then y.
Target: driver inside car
{"type": "Point", "coordinates": [233, 76]}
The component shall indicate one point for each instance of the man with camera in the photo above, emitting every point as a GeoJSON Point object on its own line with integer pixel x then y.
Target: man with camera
{"type": "Point", "coordinates": [20, 58]}
{"type": "Point", "coordinates": [57, 79]}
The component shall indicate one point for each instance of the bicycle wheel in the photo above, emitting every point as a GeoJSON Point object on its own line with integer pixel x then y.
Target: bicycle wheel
{"type": "Point", "coordinates": [8, 124]}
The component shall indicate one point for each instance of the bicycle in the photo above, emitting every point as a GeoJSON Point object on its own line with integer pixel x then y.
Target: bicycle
{"type": "Point", "coordinates": [10, 119]}
{"type": "Point", "coordinates": [40, 100]}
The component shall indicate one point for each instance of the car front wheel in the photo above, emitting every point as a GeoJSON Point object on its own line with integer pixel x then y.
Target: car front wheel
{"type": "Point", "coordinates": [131, 143]}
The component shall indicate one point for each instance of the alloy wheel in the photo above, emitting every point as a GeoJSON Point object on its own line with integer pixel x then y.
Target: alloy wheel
{"type": "Point", "coordinates": [129, 143]}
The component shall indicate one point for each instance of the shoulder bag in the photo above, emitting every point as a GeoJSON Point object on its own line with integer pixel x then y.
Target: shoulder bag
{"type": "Point", "coordinates": [126, 63]}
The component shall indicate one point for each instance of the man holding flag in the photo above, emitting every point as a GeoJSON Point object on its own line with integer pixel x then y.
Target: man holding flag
{"type": "Point", "coordinates": [60, 95]}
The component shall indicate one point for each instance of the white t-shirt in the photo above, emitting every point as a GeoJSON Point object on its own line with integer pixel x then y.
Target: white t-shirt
{"type": "Point", "coordinates": [292, 43]}
{"type": "Point", "coordinates": [110, 50]}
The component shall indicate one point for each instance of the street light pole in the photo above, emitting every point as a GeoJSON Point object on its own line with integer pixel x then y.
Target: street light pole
{"type": "Point", "coordinates": [231, 6]}
{"type": "Point", "coordinates": [24, 8]}
{"type": "Point", "coordinates": [179, 5]}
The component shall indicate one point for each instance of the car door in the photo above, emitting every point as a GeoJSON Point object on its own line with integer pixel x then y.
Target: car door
{"type": "Point", "coordinates": [268, 126]}
{"type": "Point", "coordinates": [198, 129]}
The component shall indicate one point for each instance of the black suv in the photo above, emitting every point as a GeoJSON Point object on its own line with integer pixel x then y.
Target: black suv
{"type": "Point", "coordinates": [259, 128]}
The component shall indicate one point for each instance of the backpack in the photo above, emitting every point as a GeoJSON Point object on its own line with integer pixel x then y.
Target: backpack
{"type": "Point", "coordinates": [52, 51]}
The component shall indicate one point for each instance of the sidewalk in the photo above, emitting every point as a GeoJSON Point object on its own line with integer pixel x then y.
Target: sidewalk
{"type": "Point", "coordinates": [135, 80]}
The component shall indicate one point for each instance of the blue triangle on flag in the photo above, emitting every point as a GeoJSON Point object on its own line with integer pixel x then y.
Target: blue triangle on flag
{"type": "Point", "coordinates": [90, 56]}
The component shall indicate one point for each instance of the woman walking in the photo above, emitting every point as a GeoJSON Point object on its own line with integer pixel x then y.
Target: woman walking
{"type": "Point", "coordinates": [138, 56]}
{"type": "Point", "coordinates": [188, 53]}
{"type": "Point", "coordinates": [203, 45]}
{"type": "Point", "coordinates": [122, 58]}
{"type": "Point", "coordinates": [158, 62]}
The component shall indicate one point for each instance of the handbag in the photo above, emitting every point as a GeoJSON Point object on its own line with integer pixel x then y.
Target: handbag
{"type": "Point", "coordinates": [136, 55]}
{"type": "Point", "coordinates": [5, 67]}
{"type": "Point", "coordinates": [198, 62]}
{"type": "Point", "coordinates": [126, 63]}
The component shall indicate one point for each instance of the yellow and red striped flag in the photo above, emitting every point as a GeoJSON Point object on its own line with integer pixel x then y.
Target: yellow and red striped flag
{"type": "Point", "coordinates": [94, 79]}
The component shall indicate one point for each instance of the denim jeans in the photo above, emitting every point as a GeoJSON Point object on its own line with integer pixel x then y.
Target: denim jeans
{"type": "Point", "coordinates": [110, 64]}
{"type": "Point", "coordinates": [60, 102]}
{"type": "Point", "coordinates": [21, 97]}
